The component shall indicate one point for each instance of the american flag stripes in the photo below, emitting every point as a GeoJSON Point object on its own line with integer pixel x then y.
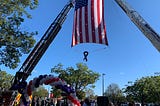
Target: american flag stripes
{"type": "Point", "coordinates": [89, 25]}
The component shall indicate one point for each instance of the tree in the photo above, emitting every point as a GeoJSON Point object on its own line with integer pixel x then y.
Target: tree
{"type": "Point", "coordinates": [40, 92]}
{"type": "Point", "coordinates": [145, 90]}
{"type": "Point", "coordinates": [13, 40]}
{"type": "Point", "coordinates": [56, 92]}
{"type": "Point", "coordinates": [5, 80]}
{"type": "Point", "coordinates": [90, 93]}
{"type": "Point", "coordinates": [80, 79]}
{"type": "Point", "coordinates": [114, 93]}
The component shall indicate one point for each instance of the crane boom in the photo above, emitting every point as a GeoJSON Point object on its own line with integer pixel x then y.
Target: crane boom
{"type": "Point", "coordinates": [40, 48]}
{"type": "Point", "coordinates": [42, 45]}
{"type": "Point", "coordinates": [143, 26]}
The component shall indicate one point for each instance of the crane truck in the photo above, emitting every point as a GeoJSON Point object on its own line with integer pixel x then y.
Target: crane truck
{"type": "Point", "coordinates": [35, 55]}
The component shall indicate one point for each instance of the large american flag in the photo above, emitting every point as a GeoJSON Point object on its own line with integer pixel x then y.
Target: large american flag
{"type": "Point", "coordinates": [89, 25]}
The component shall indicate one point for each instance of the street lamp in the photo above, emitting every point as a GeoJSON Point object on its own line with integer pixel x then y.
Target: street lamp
{"type": "Point", "coordinates": [103, 84]}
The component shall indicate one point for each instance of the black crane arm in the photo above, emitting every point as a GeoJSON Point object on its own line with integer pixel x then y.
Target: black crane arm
{"type": "Point", "coordinates": [40, 48]}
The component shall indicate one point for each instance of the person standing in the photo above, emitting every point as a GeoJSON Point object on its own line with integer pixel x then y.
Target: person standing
{"type": "Point", "coordinates": [86, 102]}
{"type": "Point", "coordinates": [52, 102]}
{"type": "Point", "coordinates": [43, 102]}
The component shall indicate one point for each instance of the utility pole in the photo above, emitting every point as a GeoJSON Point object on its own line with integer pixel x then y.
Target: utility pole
{"type": "Point", "coordinates": [103, 84]}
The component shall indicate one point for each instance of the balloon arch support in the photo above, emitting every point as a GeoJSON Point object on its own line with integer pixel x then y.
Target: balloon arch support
{"type": "Point", "coordinates": [48, 80]}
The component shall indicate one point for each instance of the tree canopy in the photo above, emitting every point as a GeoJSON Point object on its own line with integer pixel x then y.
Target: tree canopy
{"type": "Point", "coordinates": [80, 79]}
{"type": "Point", "coordinates": [5, 80]}
{"type": "Point", "coordinates": [14, 41]}
{"type": "Point", "coordinates": [144, 90]}
{"type": "Point", "coordinates": [114, 93]}
{"type": "Point", "coordinates": [40, 92]}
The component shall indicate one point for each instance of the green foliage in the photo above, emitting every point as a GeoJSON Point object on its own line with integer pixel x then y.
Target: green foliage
{"type": "Point", "coordinates": [40, 92]}
{"type": "Point", "coordinates": [81, 94]}
{"type": "Point", "coordinates": [13, 40]}
{"type": "Point", "coordinates": [90, 93]}
{"type": "Point", "coordinates": [5, 80]}
{"type": "Point", "coordinates": [145, 90]}
{"type": "Point", "coordinates": [80, 79]}
{"type": "Point", "coordinates": [56, 92]}
{"type": "Point", "coordinates": [16, 7]}
{"type": "Point", "coordinates": [114, 93]}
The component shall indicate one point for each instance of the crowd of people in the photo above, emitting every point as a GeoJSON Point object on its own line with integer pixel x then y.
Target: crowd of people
{"type": "Point", "coordinates": [88, 102]}
{"type": "Point", "coordinates": [44, 101]}
{"type": "Point", "coordinates": [39, 101]}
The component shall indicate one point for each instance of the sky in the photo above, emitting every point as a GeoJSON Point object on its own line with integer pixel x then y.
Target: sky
{"type": "Point", "coordinates": [129, 56]}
